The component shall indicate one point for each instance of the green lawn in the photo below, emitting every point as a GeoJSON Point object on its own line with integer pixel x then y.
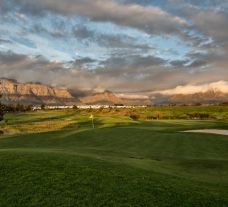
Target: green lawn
{"type": "Point", "coordinates": [55, 158]}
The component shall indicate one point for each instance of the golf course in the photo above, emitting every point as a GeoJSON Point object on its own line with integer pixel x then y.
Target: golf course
{"type": "Point", "coordinates": [55, 158]}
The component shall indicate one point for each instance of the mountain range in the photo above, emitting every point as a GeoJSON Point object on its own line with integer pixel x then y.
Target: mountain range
{"type": "Point", "coordinates": [14, 92]}
{"type": "Point", "coordinates": [209, 97]}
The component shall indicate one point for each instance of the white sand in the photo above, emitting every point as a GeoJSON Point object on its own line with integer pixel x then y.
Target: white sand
{"type": "Point", "coordinates": [210, 131]}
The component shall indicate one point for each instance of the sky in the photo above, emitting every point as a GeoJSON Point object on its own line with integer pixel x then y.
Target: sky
{"type": "Point", "coordinates": [125, 46]}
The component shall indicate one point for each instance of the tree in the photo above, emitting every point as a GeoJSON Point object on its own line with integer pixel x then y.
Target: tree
{"type": "Point", "coordinates": [2, 109]}
{"type": "Point", "coordinates": [75, 107]}
{"type": "Point", "coordinates": [158, 115]}
{"type": "Point", "coordinates": [43, 106]}
{"type": "Point", "coordinates": [134, 116]}
{"type": "Point", "coordinates": [20, 108]}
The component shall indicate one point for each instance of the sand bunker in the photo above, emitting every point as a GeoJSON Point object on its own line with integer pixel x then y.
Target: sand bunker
{"type": "Point", "coordinates": [210, 131]}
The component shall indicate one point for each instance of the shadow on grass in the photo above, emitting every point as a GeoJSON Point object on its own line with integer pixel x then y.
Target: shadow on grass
{"type": "Point", "coordinates": [98, 123]}
{"type": "Point", "coordinates": [30, 118]}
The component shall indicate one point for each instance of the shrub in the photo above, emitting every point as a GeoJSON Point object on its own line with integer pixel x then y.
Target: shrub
{"type": "Point", "coordinates": [89, 110]}
{"type": "Point", "coordinates": [2, 111]}
{"type": "Point", "coordinates": [134, 116]}
{"type": "Point", "coordinates": [75, 107]}
{"type": "Point", "coordinates": [199, 115]}
{"type": "Point", "coordinates": [42, 106]}
{"type": "Point", "coordinates": [150, 117]}
{"type": "Point", "coordinates": [101, 109]}
{"type": "Point", "coordinates": [182, 116]}
{"type": "Point", "coordinates": [158, 115]}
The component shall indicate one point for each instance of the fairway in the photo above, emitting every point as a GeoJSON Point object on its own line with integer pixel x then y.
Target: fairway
{"type": "Point", "coordinates": [56, 158]}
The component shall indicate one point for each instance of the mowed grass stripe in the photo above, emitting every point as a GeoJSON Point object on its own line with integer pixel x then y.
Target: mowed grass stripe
{"type": "Point", "coordinates": [142, 142]}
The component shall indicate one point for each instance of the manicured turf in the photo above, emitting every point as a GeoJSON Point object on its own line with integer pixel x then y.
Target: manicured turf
{"type": "Point", "coordinates": [119, 163]}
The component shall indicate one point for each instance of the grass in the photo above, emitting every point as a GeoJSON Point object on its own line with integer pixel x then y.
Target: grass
{"type": "Point", "coordinates": [121, 162]}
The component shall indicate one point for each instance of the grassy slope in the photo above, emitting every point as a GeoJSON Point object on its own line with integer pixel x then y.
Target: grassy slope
{"type": "Point", "coordinates": [127, 163]}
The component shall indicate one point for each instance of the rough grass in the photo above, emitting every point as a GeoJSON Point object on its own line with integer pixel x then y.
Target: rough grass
{"type": "Point", "coordinates": [119, 163]}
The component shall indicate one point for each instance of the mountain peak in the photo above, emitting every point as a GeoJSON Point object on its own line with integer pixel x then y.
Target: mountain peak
{"type": "Point", "coordinates": [106, 97]}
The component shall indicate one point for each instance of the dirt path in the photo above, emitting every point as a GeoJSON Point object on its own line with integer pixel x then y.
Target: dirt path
{"type": "Point", "coordinates": [210, 131]}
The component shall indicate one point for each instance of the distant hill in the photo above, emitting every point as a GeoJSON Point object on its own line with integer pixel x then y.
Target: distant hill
{"type": "Point", "coordinates": [109, 98]}
{"type": "Point", "coordinates": [106, 97]}
{"type": "Point", "coordinates": [14, 92]}
{"type": "Point", "coordinates": [208, 97]}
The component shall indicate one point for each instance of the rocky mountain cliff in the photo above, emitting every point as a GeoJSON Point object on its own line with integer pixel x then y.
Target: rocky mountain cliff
{"type": "Point", "coordinates": [14, 92]}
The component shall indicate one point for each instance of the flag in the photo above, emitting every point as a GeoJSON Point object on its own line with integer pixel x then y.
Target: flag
{"type": "Point", "coordinates": [91, 117]}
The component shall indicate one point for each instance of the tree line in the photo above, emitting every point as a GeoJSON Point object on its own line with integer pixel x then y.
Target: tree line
{"type": "Point", "coordinates": [12, 108]}
{"type": "Point", "coordinates": [1, 109]}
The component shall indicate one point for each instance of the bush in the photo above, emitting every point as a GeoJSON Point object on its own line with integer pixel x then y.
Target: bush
{"type": "Point", "coordinates": [134, 116]}
{"type": "Point", "coordinates": [89, 110]}
{"type": "Point", "coordinates": [101, 109]}
{"type": "Point", "coordinates": [75, 107]}
{"type": "Point", "coordinates": [42, 106]}
{"type": "Point", "coordinates": [150, 117]}
{"type": "Point", "coordinates": [182, 116]}
{"type": "Point", "coordinates": [199, 116]}
{"type": "Point", "coordinates": [157, 115]}
{"type": "Point", "coordinates": [2, 111]}
{"type": "Point", "coordinates": [20, 108]}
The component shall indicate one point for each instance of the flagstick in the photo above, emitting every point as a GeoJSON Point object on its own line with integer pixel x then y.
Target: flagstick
{"type": "Point", "coordinates": [92, 123]}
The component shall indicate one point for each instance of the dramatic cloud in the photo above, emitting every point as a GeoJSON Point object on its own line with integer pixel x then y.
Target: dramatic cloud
{"type": "Point", "coordinates": [220, 86]}
{"type": "Point", "coordinates": [125, 79]}
{"type": "Point", "coordinates": [130, 47]}
{"type": "Point", "coordinates": [151, 19]}
{"type": "Point", "coordinates": [132, 61]}
{"type": "Point", "coordinates": [132, 96]}
{"type": "Point", "coordinates": [213, 23]}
